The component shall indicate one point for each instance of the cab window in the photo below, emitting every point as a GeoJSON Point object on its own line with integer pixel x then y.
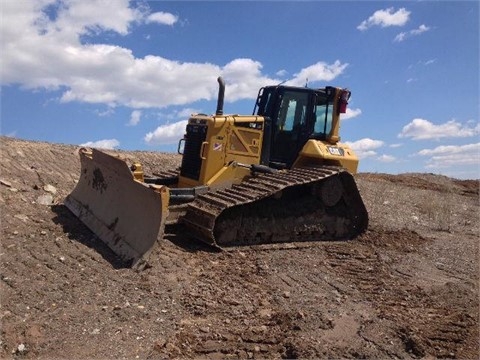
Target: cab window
{"type": "Point", "coordinates": [293, 111]}
{"type": "Point", "coordinates": [323, 117]}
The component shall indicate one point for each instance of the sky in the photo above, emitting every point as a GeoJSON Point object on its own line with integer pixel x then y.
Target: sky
{"type": "Point", "coordinates": [126, 75]}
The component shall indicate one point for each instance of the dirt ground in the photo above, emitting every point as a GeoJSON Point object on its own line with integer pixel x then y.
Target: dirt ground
{"type": "Point", "coordinates": [407, 288]}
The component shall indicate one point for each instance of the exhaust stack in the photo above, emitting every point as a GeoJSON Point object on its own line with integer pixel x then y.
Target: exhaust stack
{"type": "Point", "coordinates": [221, 95]}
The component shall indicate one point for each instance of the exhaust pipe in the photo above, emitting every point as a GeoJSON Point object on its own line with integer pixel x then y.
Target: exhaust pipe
{"type": "Point", "coordinates": [221, 95]}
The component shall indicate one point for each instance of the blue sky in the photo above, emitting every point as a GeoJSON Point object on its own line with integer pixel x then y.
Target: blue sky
{"type": "Point", "coordinates": [127, 74]}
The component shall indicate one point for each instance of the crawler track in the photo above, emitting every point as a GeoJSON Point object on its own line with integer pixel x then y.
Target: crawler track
{"type": "Point", "coordinates": [302, 204]}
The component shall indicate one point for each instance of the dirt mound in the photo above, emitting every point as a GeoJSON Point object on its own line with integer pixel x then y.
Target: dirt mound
{"type": "Point", "coordinates": [429, 182]}
{"type": "Point", "coordinates": [407, 288]}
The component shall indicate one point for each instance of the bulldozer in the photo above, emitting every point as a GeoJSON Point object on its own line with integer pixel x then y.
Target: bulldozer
{"type": "Point", "coordinates": [280, 175]}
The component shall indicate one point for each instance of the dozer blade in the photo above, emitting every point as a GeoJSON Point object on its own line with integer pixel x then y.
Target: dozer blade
{"type": "Point", "coordinates": [127, 215]}
{"type": "Point", "coordinates": [301, 204]}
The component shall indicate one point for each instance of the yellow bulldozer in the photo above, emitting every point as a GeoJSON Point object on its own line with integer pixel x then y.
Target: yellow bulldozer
{"type": "Point", "coordinates": [278, 175]}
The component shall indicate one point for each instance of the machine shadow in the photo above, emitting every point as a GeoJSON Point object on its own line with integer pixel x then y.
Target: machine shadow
{"type": "Point", "coordinates": [77, 231]}
{"type": "Point", "coordinates": [179, 236]}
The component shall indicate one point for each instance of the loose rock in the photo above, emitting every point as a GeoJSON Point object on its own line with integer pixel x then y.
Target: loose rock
{"type": "Point", "coordinates": [6, 183]}
{"type": "Point", "coordinates": [50, 188]}
{"type": "Point", "coordinates": [45, 199]}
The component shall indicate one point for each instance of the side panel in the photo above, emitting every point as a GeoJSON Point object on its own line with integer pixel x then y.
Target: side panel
{"type": "Point", "coordinates": [225, 140]}
{"type": "Point", "coordinates": [245, 136]}
{"type": "Point", "coordinates": [319, 152]}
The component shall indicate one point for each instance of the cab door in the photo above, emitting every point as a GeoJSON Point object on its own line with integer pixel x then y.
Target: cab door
{"type": "Point", "coordinates": [290, 130]}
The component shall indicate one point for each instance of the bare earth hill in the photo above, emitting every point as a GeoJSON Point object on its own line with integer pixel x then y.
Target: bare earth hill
{"type": "Point", "coordinates": [407, 288]}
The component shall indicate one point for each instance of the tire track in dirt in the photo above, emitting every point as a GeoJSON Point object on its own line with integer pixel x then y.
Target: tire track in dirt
{"type": "Point", "coordinates": [429, 325]}
{"type": "Point", "coordinates": [238, 301]}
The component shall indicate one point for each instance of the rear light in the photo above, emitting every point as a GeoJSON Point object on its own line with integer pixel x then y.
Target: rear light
{"type": "Point", "coordinates": [343, 101]}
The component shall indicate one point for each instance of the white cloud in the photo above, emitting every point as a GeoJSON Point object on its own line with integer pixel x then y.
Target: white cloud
{"type": "Point", "coordinates": [421, 29]}
{"type": "Point", "coordinates": [167, 134]}
{"type": "Point", "coordinates": [320, 71]}
{"type": "Point", "coordinates": [162, 18]}
{"type": "Point", "coordinates": [351, 113]}
{"type": "Point", "coordinates": [185, 113]}
{"type": "Point", "coordinates": [134, 118]}
{"type": "Point", "coordinates": [109, 111]}
{"type": "Point", "coordinates": [365, 147]}
{"type": "Point", "coordinates": [422, 63]}
{"type": "Point", "coordinates": [243, 78]}
{"type": "Point", "coordinates": [76, 17]}
{"type": "Point", "coordinates": [472, 149]}
{"type": "Point", "coordinates": [400, 37]}
{"type": "Point", "coordinates": [102, 144]}
{"type": "Point", "coordinates": [174, 130]}
{"type": "Point", "coordinates": [45, 51]}
{"type": "Point", "coordinates": [421, 129]}
{"type": "Point", "coordinates": [174, 115]}
{"type": "Point", "coordinates": [403, 35]}
{"type": "Point", "coordinates": [447, 156]}
{"type": "Point", "coordinates": [386, 158]}
{"type": "Point", "coordinates": [385, 18]}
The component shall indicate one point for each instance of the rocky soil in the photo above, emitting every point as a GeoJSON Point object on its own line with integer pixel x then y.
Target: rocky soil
{"type": "Point", "coordinates": [407, 288]}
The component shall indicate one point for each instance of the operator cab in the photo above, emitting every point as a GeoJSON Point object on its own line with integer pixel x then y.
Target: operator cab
{"type": "Point", "coordinates": [295, 115]}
